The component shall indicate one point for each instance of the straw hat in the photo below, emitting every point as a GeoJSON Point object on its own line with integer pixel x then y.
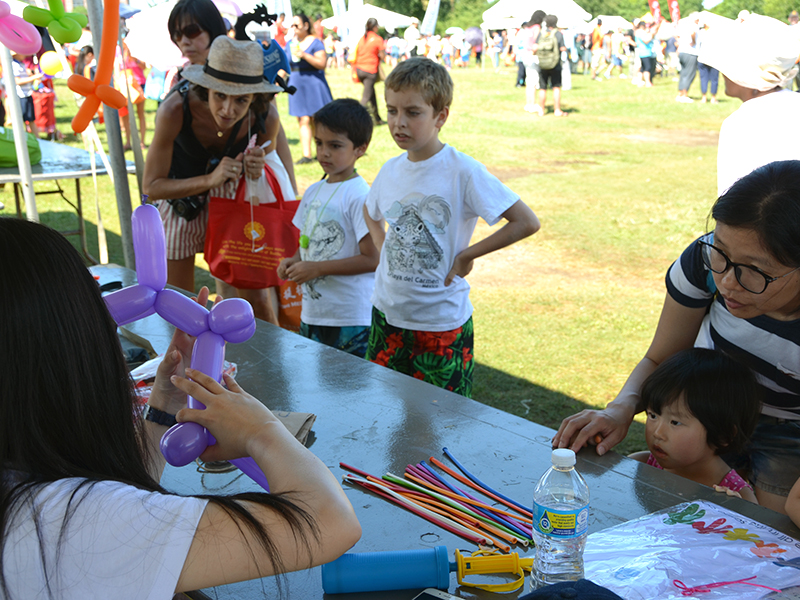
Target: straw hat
{"type": "Point", "coordinates": [232, 67]}
{"type": "Point", "coordinates": [759, 53]}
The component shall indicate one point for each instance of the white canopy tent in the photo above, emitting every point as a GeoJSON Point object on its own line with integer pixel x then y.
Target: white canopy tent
{"type": "Point", "coordinates": [351, 24]}
{"type": "Point", "coordinates": [512, 13]}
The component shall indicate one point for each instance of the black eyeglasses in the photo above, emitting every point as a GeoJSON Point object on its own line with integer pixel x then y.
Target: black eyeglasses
{"type": "Point", "coordinates": [190, 31]}
{"type": "Point", "coordinates": [749, 277]}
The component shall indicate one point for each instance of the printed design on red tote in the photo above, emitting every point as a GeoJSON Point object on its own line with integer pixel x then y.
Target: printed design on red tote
{"type": "Point", "coordinates": [410, 245]}
{"type": "Point", "coordinates": [325, 240]}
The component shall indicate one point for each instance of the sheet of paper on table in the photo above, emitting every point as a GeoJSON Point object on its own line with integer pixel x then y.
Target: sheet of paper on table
{"type": "Point", "coordinates": [697, 543]}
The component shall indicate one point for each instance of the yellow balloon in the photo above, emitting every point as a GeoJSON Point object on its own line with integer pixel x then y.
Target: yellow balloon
{"type": "Point", "coordinates": [50, 63]}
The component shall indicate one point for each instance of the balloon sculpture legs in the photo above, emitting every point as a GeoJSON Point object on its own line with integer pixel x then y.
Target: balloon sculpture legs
{"type": "Point", "coordinates": [230, 320]}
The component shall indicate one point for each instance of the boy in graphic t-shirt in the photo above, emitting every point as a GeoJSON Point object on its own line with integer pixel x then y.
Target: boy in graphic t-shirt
{"type": "Point", "coordinates": [336, 259]}
{"type": "Point", "coordinates": [431, 196]}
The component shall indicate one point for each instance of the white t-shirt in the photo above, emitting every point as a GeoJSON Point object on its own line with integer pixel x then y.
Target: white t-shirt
{"type": "Point", "coordinates": [432, 207]}
{"type": "Point", "coordinates": [331, 215]}
{"type": "Point", "coordinates": [121, 542]}
{"type": "Point", "coordinates": [760, 131]}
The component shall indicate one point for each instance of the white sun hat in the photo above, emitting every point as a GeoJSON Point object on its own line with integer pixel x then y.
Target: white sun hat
{"type": "Point", "coordinates": [759, 53]}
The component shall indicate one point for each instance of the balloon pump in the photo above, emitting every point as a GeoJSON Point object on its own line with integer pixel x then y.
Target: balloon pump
{"type": "Point", "coordinates": [410, 569]}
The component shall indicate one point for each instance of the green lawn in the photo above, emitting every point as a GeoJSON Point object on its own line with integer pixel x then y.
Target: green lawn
{"type": "Point", "coordinates": [621, 186]}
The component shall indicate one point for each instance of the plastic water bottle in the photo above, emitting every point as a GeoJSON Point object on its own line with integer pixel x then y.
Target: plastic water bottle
{"type": "Point", "coordinates": [560, 522]}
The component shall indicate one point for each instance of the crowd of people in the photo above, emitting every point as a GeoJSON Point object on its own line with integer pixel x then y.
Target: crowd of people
{"type": "Point", "coordinates": [383, 269]}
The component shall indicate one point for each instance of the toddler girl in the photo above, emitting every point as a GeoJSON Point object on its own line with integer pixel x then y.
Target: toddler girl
{"type": "Point", "coordinates": [700, 404]}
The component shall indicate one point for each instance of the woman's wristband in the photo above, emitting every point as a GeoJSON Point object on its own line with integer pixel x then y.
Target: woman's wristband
{"type": "Point", "coordinates": [158, 416]}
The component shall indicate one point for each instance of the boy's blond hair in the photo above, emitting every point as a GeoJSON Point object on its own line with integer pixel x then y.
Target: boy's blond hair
{"type": "Point", "coordinates": [426, 77]}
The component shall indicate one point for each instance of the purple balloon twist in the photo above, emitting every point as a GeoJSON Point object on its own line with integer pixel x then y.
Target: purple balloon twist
{"type": "Point", "coordinates": [231, 320]}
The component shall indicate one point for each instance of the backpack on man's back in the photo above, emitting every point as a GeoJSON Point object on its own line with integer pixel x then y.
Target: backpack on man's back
{"type": "Point", "coordinates": [548, 51]}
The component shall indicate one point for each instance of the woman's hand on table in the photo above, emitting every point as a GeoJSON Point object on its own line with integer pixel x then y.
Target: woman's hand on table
{"type": "Point", "coordinates": [604, 428]}
{"type": "Point", "coordinates": [235, 418]}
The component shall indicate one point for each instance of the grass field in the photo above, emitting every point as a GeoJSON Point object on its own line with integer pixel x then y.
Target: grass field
{"type": "Point", "coordinates": [621, 187]}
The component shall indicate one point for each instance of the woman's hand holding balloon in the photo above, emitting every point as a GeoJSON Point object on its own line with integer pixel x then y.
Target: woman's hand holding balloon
{"type": "Point", "coordinates": [241, 425]}
{"type": "Point", "coordinates": [165, 396]}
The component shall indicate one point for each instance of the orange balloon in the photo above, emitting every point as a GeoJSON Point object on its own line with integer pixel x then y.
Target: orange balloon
{"type": "Point", "coordinates": [111, 97]}
{"type": "Point", "coordinates": [85, 114]}
{"type": "Point", "coordinates": [80, 85]}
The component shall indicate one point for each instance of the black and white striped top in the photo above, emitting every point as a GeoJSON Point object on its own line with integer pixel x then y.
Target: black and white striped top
{"type": "Point", "coordinates": [771, 348]}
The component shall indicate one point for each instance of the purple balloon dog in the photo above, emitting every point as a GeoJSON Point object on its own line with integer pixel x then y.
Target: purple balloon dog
{"type": "Point", "coordinates": [231, 320]}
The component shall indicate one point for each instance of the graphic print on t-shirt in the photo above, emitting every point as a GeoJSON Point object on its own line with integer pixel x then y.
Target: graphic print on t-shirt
{"type": "Point", "coordinates": [325, 241]}
{"type": "Point", "coordinates": [410, 246]}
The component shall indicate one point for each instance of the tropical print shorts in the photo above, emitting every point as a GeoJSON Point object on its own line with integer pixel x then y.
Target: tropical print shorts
{"type": "Point", "coordinates": [443, 358]}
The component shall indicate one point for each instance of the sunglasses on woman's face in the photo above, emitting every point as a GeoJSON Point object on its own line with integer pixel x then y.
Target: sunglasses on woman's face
{"type": "Point", "coordinates": [190, 31]}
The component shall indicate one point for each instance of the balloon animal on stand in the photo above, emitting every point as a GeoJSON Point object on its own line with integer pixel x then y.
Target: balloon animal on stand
{"type": "Point", "coordinates": [230, 320]}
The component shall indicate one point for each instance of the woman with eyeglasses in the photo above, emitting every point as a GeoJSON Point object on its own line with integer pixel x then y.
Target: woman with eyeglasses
{"type": "Point", "coordinates": [308, 59]}
{"type": "Point", "coordinates": [736, 289]}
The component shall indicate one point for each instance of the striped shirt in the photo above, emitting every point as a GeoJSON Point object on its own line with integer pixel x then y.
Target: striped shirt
{"type": "Point", "coordinates": [771, 348]}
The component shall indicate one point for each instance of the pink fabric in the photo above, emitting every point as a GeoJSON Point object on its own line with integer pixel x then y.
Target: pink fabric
{"type": "Point", "coordinates": [732, 479]}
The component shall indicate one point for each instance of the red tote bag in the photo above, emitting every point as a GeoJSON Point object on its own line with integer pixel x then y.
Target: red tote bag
{"type": "Point", "coordinates": [244, 243]}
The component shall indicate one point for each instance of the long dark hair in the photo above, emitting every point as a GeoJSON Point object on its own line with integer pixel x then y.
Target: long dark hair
{"type": "Point", "coordinates": [767, 201]}
{"type": "Point", "coordinates": [66, 403]}
{"type": "Point", "coordinates": [203, 12]}
{"type": "Point", "coordinates": [80, 62]}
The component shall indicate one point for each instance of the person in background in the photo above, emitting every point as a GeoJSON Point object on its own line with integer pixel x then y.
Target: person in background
{"type": "Point", "coordinates": [83, 512]}
{"type": "Point", "coordinates": [764, 128]}
{"type": "Point", "coordinates": [531, 33]}
{"type": "Point", "coordinates": [308, 60]}
{"type": "Point", "coordinates": [645, 42]}
{"type": "Point", "coordinates": [411, 35]}
{"type": "Point", "coordinates": [709, 76]}
{"type": "Point", "coordinates": [688, 29]}
{"type": "Point", "coordinates": [794, 21]}
{"type": "Point", "coordinates": [370, 54]}
{"type": "Point", "coordinates": [319, 28]}
{"type": "Point", "coordinates": [548, 49]}
{"type": "Point", "coordinates": [518, 40]}
{"type": "Point", "coordinates": [278, 31]}
{"type": "Point", "coordinates": [596, 41]}
{"type": "Point", "coordinates": [25, 80]}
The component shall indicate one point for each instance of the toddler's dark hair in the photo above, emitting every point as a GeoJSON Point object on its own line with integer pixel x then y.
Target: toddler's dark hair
{"type": "Point", "coordinates": [719, 391]}
{"type": "Point", "coordinates": [346, 116]}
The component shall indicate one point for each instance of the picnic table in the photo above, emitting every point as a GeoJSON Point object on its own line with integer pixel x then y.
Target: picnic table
{"type": "Point", "coordinates": [60, 162]}
{"type": "Point", "coordinates": [380, 421]}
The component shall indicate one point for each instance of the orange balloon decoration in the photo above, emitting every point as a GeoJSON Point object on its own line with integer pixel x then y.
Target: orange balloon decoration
{"type": "Point", "coordinates": [100, 89]}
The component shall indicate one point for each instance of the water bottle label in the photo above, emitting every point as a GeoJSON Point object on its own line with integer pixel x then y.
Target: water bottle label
{"type": "Point", "coordinates": [561, 523]}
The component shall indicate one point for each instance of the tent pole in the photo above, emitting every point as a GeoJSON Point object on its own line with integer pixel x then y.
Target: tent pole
{"type": "Point", "coordinates": [20, 136]}
{"type": "Point", "coordinates": [115, 151]}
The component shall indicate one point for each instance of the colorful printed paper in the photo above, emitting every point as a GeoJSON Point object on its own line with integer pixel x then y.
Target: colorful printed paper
{"type": "Point", "coordinates": [697, 543]}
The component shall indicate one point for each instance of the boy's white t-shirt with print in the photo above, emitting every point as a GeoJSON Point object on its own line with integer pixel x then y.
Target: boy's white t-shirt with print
{"type": "Point", "coordinates": [331, 215]}
{"type": "Point", "coordinates": [120, 542]}
{"type": "Point", "coordinates": [431, 208]}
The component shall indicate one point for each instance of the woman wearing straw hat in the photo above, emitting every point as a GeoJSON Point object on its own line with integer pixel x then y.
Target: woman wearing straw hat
{"type": "Point", "coordinates": [200, 141]}
{"type": "Point", "coordinates": [193, 25]}
{"type": "Point", "coordinates": [757, 59]}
